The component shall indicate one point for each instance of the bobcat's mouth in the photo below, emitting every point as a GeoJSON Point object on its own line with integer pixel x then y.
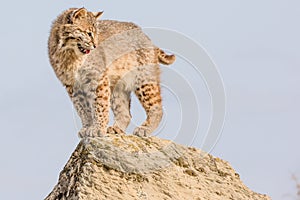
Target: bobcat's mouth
{"type": "Point", "coordinates": [82, 49]}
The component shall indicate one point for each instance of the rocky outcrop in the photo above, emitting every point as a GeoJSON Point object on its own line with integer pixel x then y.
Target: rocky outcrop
{"type": "Point", "coordinates": [129, 167]}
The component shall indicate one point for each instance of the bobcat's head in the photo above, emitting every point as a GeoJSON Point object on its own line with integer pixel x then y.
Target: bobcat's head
{"type": "Point", "coordinates": [79, 31]}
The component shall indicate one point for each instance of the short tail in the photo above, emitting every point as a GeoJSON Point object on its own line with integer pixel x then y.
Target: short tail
{"type": "Point", "coordinates": [165, 58]}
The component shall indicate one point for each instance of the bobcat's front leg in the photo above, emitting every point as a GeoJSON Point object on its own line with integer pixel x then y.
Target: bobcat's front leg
{"type": "Point", "coordinates": [96, 92]}
{"type": "Point", "coordinates": [81, 105]}
{"type": "Point", "coordinates": [101, 105]}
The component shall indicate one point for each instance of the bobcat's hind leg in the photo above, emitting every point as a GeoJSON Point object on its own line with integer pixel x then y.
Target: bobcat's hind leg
{"type": "Point", "coordinates": [150, 98]}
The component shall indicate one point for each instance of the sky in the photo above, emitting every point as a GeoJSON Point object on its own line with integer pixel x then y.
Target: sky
{"type": "Point", "coordinates": [254, 44]}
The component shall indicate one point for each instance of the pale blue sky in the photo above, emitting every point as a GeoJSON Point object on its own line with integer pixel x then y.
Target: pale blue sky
{"type": "Point", "coordinates": [255, 45]}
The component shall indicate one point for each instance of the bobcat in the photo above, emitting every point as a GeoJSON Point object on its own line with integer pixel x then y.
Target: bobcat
{"type": "Point", "coordinates": [100, 62]}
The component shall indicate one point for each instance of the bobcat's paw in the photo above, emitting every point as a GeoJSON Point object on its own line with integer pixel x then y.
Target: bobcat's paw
{"type": "Point", "coordinates": [141, 131]}
{"type": "Point", "coordinates": [115, 130]}
{"type": "Point", "coordinates": [92, 131]}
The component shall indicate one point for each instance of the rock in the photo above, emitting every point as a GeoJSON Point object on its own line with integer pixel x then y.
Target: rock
{"type": "Point", "coordinates": [129, 167]}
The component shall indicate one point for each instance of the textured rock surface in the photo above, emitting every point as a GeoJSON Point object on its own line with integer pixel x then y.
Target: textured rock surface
{"type": "Point", "coordinates": [129, 167]}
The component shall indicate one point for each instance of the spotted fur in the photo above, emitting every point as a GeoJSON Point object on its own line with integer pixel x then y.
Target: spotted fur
{"type": "Point", "coordinates": [101, 62]}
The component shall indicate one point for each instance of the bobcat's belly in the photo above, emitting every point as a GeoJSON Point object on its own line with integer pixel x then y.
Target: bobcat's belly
{"type": "Point", "coordinates": [122, 80]}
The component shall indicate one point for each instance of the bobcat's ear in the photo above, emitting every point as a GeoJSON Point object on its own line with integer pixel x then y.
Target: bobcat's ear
{"type": "Point", "coordinates": [79, 14]}
{"type": "Point", "coordinates": [98, 14]}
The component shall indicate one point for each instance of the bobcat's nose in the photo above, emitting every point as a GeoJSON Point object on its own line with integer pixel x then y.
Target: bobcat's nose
{"type": "Point", "coordinates": [90, 46]}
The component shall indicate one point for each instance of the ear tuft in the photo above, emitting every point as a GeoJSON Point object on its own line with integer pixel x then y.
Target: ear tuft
{"type": "Point", "coordinates": [98, 14]}
{"type": "Point", "coordinates": [79, 13]}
